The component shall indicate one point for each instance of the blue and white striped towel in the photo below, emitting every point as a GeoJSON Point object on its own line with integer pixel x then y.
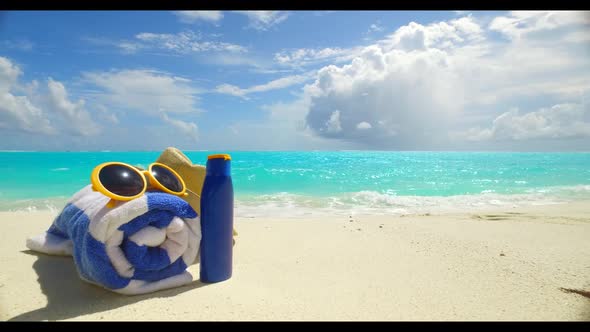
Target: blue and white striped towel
{"type": "Point", "coordinates": [140, 246]}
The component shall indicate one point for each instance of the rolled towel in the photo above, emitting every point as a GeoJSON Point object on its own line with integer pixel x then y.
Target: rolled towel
{"type": "Point", "coordinates": [137, 247]}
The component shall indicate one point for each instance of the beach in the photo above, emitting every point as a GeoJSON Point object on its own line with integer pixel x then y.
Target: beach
{"type": "Point", "coordinates": [505, 263]}
{"type": "Point", "coordinates": [373, 165]}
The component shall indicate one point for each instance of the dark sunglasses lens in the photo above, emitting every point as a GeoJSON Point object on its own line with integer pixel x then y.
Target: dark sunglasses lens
{"type": "Point", "coordinates": [121, 180]}
{"type": "Point", "coordinates": [167, 178]}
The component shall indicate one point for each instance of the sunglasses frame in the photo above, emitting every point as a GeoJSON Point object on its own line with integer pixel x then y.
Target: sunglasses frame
{"type": "Point", "coordinates": [146, 175]}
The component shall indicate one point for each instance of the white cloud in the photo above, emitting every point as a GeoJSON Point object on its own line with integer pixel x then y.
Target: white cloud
{"type": "Point", "coordinates": [284, 129]}
{"type": "Point", "coordinates": [145, 91]}
{"type": "Point", "coordinates": [181, 43]}
{"type": "Point", "coordinates": [262, 70]}
{"type": "Point", "coordinates": [519, 23]}
{"type": "Point", "coordinates": [398, 92]}
{"type": "Point", "coordinates": [192, 16]}
{"type": "Point", "coordinates": [375, 27]}
{"type": "Point", "coordinates": [322, 12]}
{"type": "Point", "coordinates": [129, 47]}
{"type": "Point", "coordinates": [35, 111]}
{"type": "Point", "coordinates": [185, 42]}
{"type": "Point", "coordinates": [229, 89]}
{"type": "Point", "coordinates": [189, 129]}
{"type": "Point", "coordinates": [409, 90]}
{"type": "Point", "coordinates": [107, 116]}
{"type": "Point", "coordinates": [39, 109]}
{"type": "Point", "coordinates": [21, 45]}
{"type": "Point", "coordinates": [559, 121]}
{"type": "Point", "coordinates": [413, 36]}
{"type": "Point", "coordinates": [333, 124]}
{"type": "Point", "coordinates": [363, 125]}
{"type": "Point", "coordinates": [18, 112]}
{"type": "Point", "coordinates": [9, 74]}
{"type": "Point", "coordinates": [308, 56]}
{"type": "Point", "coordinates": [77, 119]}
{"type": "Point", "coordinates": [264, 19]}
{"type": "Point", "coordinates": [420, 81]}
{"type": "Point", "coordinates": [441, 35]}
{"type": "Point", "coordinates": [125, 46]}
{"type": "Point", "coordinates": [280, 83]}
{"type": "Point", "coordinates": [233, 59]}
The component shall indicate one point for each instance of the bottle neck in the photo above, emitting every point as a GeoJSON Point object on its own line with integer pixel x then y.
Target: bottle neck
{"type": "Point", "coordinates": [218, 167]}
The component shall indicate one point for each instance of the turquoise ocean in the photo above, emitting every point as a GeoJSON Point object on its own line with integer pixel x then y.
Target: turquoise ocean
{"type": "Point", "coordinates": [298, 184]}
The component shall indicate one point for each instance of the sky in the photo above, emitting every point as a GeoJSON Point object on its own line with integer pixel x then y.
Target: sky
{"type": "Point", "coordinates": [295, 80]}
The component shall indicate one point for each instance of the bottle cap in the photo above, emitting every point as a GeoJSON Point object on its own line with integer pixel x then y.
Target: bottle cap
{"type": "Point", "coordinates": [219, 156]}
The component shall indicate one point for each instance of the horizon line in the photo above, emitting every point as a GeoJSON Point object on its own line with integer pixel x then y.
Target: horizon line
{"type": "Point", "coordinates": [312, 150]}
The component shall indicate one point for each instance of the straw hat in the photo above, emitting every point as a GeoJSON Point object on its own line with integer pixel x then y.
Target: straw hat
{"type": "Point", "coordinates": [192, 174]}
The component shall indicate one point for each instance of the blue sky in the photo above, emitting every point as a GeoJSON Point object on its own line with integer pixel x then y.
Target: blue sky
{"type": "Point", "coordinates": [299, 80]}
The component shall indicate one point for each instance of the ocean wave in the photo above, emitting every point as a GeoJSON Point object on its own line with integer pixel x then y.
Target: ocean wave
{"type": "Point", "coordinates": [289, 205]}
{"type": "Point", "coordinates": [60, 169]}
{"type": "Point", "coordinates": [53, 204]}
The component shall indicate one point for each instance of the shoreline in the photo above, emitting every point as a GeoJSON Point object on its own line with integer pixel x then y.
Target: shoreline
{"type": "Point", "coordinates": [362, 203]}
{"type": "Point", "coordinates": [498, 264]}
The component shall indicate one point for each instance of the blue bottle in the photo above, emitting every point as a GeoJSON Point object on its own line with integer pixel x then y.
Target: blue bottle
{"type": "Point", "coordinates": [217, 219]}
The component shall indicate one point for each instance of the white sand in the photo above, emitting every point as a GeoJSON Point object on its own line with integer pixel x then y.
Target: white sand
{"type": "Point", "coordinates": [448, 267]}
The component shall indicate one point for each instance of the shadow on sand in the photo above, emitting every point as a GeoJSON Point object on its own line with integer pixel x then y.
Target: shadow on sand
{"type": "Point", "coordinates": [69, 296]}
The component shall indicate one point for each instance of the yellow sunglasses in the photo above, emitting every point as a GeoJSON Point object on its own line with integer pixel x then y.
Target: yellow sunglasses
{"type": "Point", "coordinates": [123, 182]}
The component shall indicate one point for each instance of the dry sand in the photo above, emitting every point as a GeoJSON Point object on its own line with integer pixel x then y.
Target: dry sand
{"type": "Point", "coordinates": [508, 264]}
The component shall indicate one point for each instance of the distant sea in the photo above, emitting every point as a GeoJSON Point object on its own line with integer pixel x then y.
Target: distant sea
{"type": "Point", "coordinates": [298, 184]}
